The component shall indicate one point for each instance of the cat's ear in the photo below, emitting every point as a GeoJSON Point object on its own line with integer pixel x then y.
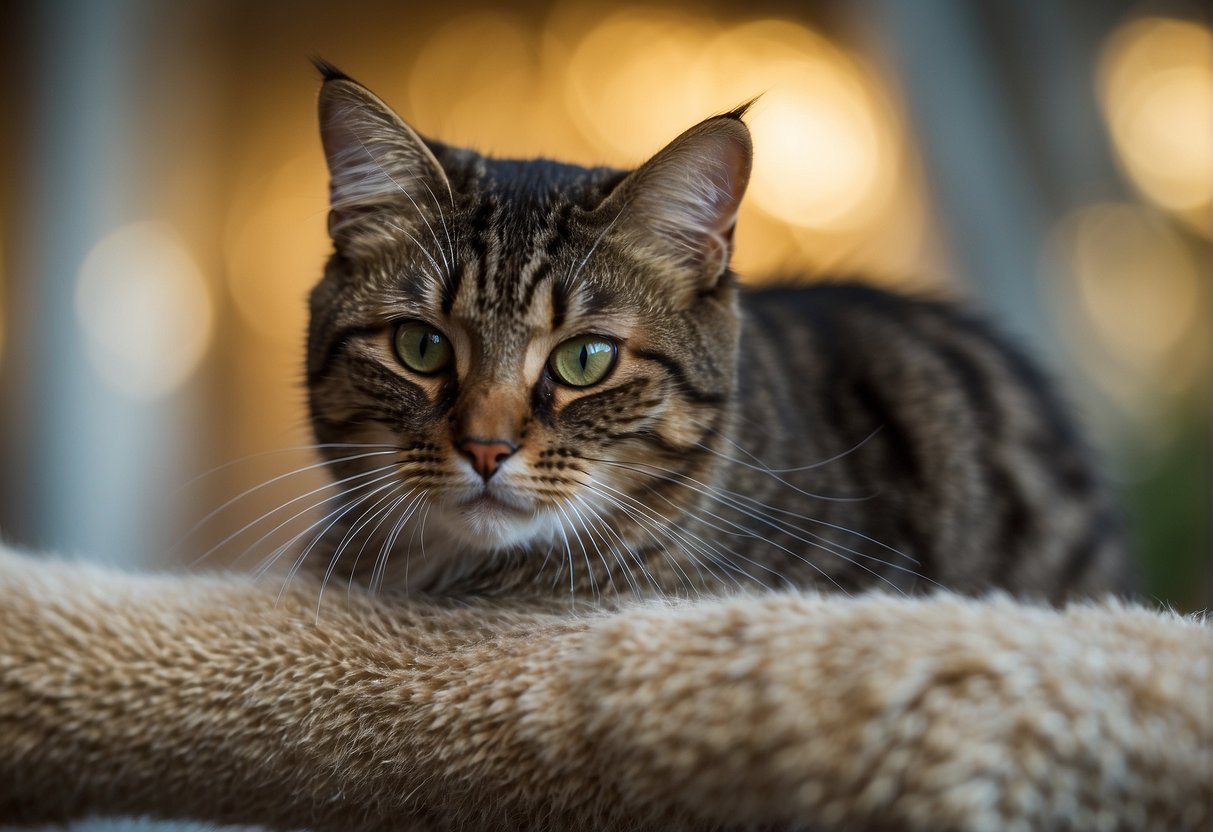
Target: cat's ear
{"type": "Point", "coordinates": [682, 204]}
{"type": "Point", "coordinates": [381, 173]}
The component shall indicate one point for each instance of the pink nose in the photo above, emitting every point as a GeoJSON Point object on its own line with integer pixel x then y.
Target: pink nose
{"type": "Point", "coordinates": [486, 455]}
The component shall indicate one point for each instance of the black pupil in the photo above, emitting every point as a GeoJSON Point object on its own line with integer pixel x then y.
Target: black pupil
{"type": "Point", "coordinates": [424, 345]}
{"type": "Point", "coordinates": [585, 356]}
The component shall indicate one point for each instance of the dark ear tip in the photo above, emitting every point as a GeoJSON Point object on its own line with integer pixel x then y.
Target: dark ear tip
{"type": "Point", "coordinates": [738, 113]}
{"type": "Point", "coordinates": [327, 71]}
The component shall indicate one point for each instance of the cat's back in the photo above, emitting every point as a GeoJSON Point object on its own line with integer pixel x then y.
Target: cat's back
{"type": "Point", "coordinates": [974, 461]}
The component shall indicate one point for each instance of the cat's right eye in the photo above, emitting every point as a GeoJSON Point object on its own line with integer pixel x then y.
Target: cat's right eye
{"type": "Point", "coordinates": [422, 348]}
{"type": "Point", "coordinates": [583, 361]}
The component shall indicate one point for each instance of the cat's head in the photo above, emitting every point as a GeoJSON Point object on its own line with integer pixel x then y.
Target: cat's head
{"type": "Point", "coordinates": [539, 348]}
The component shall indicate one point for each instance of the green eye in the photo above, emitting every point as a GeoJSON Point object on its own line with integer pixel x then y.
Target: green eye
{"type": "Point", "coordinates": [422, 348]}
{"type": "Point", "coordinates": [582, 361]}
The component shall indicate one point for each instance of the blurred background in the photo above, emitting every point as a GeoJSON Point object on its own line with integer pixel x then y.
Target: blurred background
{"type": "Point", "coordinates": [162, 215]}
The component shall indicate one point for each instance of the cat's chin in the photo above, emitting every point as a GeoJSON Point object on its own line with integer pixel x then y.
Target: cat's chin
{"type": "Point", "coordinates": [485, 523]}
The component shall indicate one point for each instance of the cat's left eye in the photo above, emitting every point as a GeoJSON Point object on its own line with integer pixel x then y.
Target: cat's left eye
{"type": "Point", "coordinates": [582, 361]}
{"type": "Point", "coordinates": [422, 348]}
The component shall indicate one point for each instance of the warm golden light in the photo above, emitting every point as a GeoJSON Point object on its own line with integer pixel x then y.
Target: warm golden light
{"type": "Point", "coordinates": [631, 84]}
{"type": "Point", "coordinates": [479, 82]}
{"type": "Point", "coordinates": [830, 184]}
{"type": "Point", "coordinates": [821, 163]}
{"type": "Point", "coordinates": [276, 245]}
{"type": "Point", "coordinates": [1156, 89]}
{"type": "Point", "coordinates": [1139, 292]}
{"type": "Point", "coordinates": [145, 310]}
{"type": "Point", "coordinates": [824, 142]}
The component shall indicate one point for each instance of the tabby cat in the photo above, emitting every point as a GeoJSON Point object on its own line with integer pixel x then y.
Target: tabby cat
{"type": "Point", "coordinates": [562, 385]}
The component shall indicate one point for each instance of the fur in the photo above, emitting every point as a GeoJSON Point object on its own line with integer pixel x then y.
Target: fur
{"type": "Point", "coordinates": [208, 698]}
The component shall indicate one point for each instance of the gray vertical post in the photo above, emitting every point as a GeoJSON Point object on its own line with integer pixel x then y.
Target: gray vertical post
{"type": "Point", "coordinates": [95, 454]}
{"type": "Point", "coordinates": [978, 171]}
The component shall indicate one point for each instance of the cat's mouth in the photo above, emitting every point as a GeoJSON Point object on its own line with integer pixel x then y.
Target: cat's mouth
{"type": "Point", "coordinates": [486, 519]}
{"type": "Point", "coordinates": [487, 501]}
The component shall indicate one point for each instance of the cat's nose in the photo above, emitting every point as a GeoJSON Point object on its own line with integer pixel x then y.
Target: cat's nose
{"type": "Point", "coordinates": [486, 455]}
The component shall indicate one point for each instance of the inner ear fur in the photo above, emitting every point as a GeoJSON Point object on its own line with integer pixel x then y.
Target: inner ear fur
{"type": "Point", "coordinates": [681, 205]}
{"type": "Point", "coordinates": [381, 172]}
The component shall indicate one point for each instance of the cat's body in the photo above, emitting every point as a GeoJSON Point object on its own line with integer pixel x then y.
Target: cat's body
{"type": "Point", "coordinates": [830, 437]}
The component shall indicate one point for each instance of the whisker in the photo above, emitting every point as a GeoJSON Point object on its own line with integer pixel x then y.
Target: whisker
{"type": "Point", "coordinates": [827, 524]}
{"type": "Point", "coordinates": [437, 268]}
{"type": "Point", "coordinates": [660, 524]}
{"type": "Point", "coordinates": [339, 509]}
{"type": "Point", "coordinates": [274, 451]}
{"type": "Point", "coordinates": [349, 587]}
{"type": "Point", "coordinates": [387, 541]}
{"type": "Point", "coordinates": [710, 551]}
{"type": "Point", "coordinates": [817, 541]}
{"type": "Point", "coordinates": [442, 217]}
{"type": "Point", "coordinates": [750, 534]}
{"type": "Point", "coordinates": [420, 537]}
{"type": "Point", "coordinates": [362, 474]}
{"type": "Point", "coordinates": [294, 570]}
{"type": "Point", "coordinates": [602, 558]}
{"type": "Point", "coordinates": [367, 516]}
{"type": "Point", "coordinates": [747, 498]}
{"type": "Point", "coordinates": [644, 527]}
{"type": "Point", "coordinates": [273, 557]}
{"type": "Point", "coordinates": [595, 519]}
{"type": "Point", "coordinates": [761, 466]}
{"type": "Point", "coordinates": [569, 550]}
{"type": "Point", "coordinates": [279, 478]}
{"type": "Point", "coordinates": [379, 571]}
{"type": "Point", "coordinates": [594, 247]}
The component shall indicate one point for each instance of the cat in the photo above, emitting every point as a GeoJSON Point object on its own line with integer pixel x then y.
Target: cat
{"type": "Point", "coordinates": [546, 378]}
{"type": "Point", "coordinates": [510, 361]}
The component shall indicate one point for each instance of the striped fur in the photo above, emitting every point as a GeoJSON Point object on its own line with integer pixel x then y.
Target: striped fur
{"type": "Point", "coordinates": [835, 437]}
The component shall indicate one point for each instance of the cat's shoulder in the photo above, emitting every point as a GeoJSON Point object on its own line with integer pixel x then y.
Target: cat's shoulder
{"type": "Point", "coordinates": [850, 295]}
{"type": "Point", "coordinates": [857, 320]}
{"type": "Point", "coordinates": [848, 305]}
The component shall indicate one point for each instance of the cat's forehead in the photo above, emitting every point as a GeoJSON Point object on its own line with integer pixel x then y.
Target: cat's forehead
{"type": "Point", "coordinates": [526, 184]}
{"type": "Point", "coordinates": [520, 237]}
{"type": "Point", "coordinates": [515, 248]}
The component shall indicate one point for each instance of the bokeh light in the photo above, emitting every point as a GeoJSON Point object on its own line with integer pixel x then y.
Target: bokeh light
{"type": "Point", "coordinates": [1156, 90]}
{"type": "Point", "coordinates": [827, 156]}
{"type": "Point", "coordinates": [483, 81]}
{"type": "Point", "coordinates": [630, 84]}
{"type": "Point", "coordinates": [831, 187]}
{"type": "Point", "coordinates": [276, 245]}
{"type": "Point", "coordinates": [1141, 300]}
{"type": "Point", "coordinates": [145, 310]}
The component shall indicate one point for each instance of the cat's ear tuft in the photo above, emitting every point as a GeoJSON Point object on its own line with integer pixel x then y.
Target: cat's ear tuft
{"type": "Point", "coordinates": [682, 204]}
{"type": "Point", "coordinates": [327, 71]}
{"type": "Point", "coordinates": [382, 175]}
{"type": "Point", "coordinates": [738, 113]}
